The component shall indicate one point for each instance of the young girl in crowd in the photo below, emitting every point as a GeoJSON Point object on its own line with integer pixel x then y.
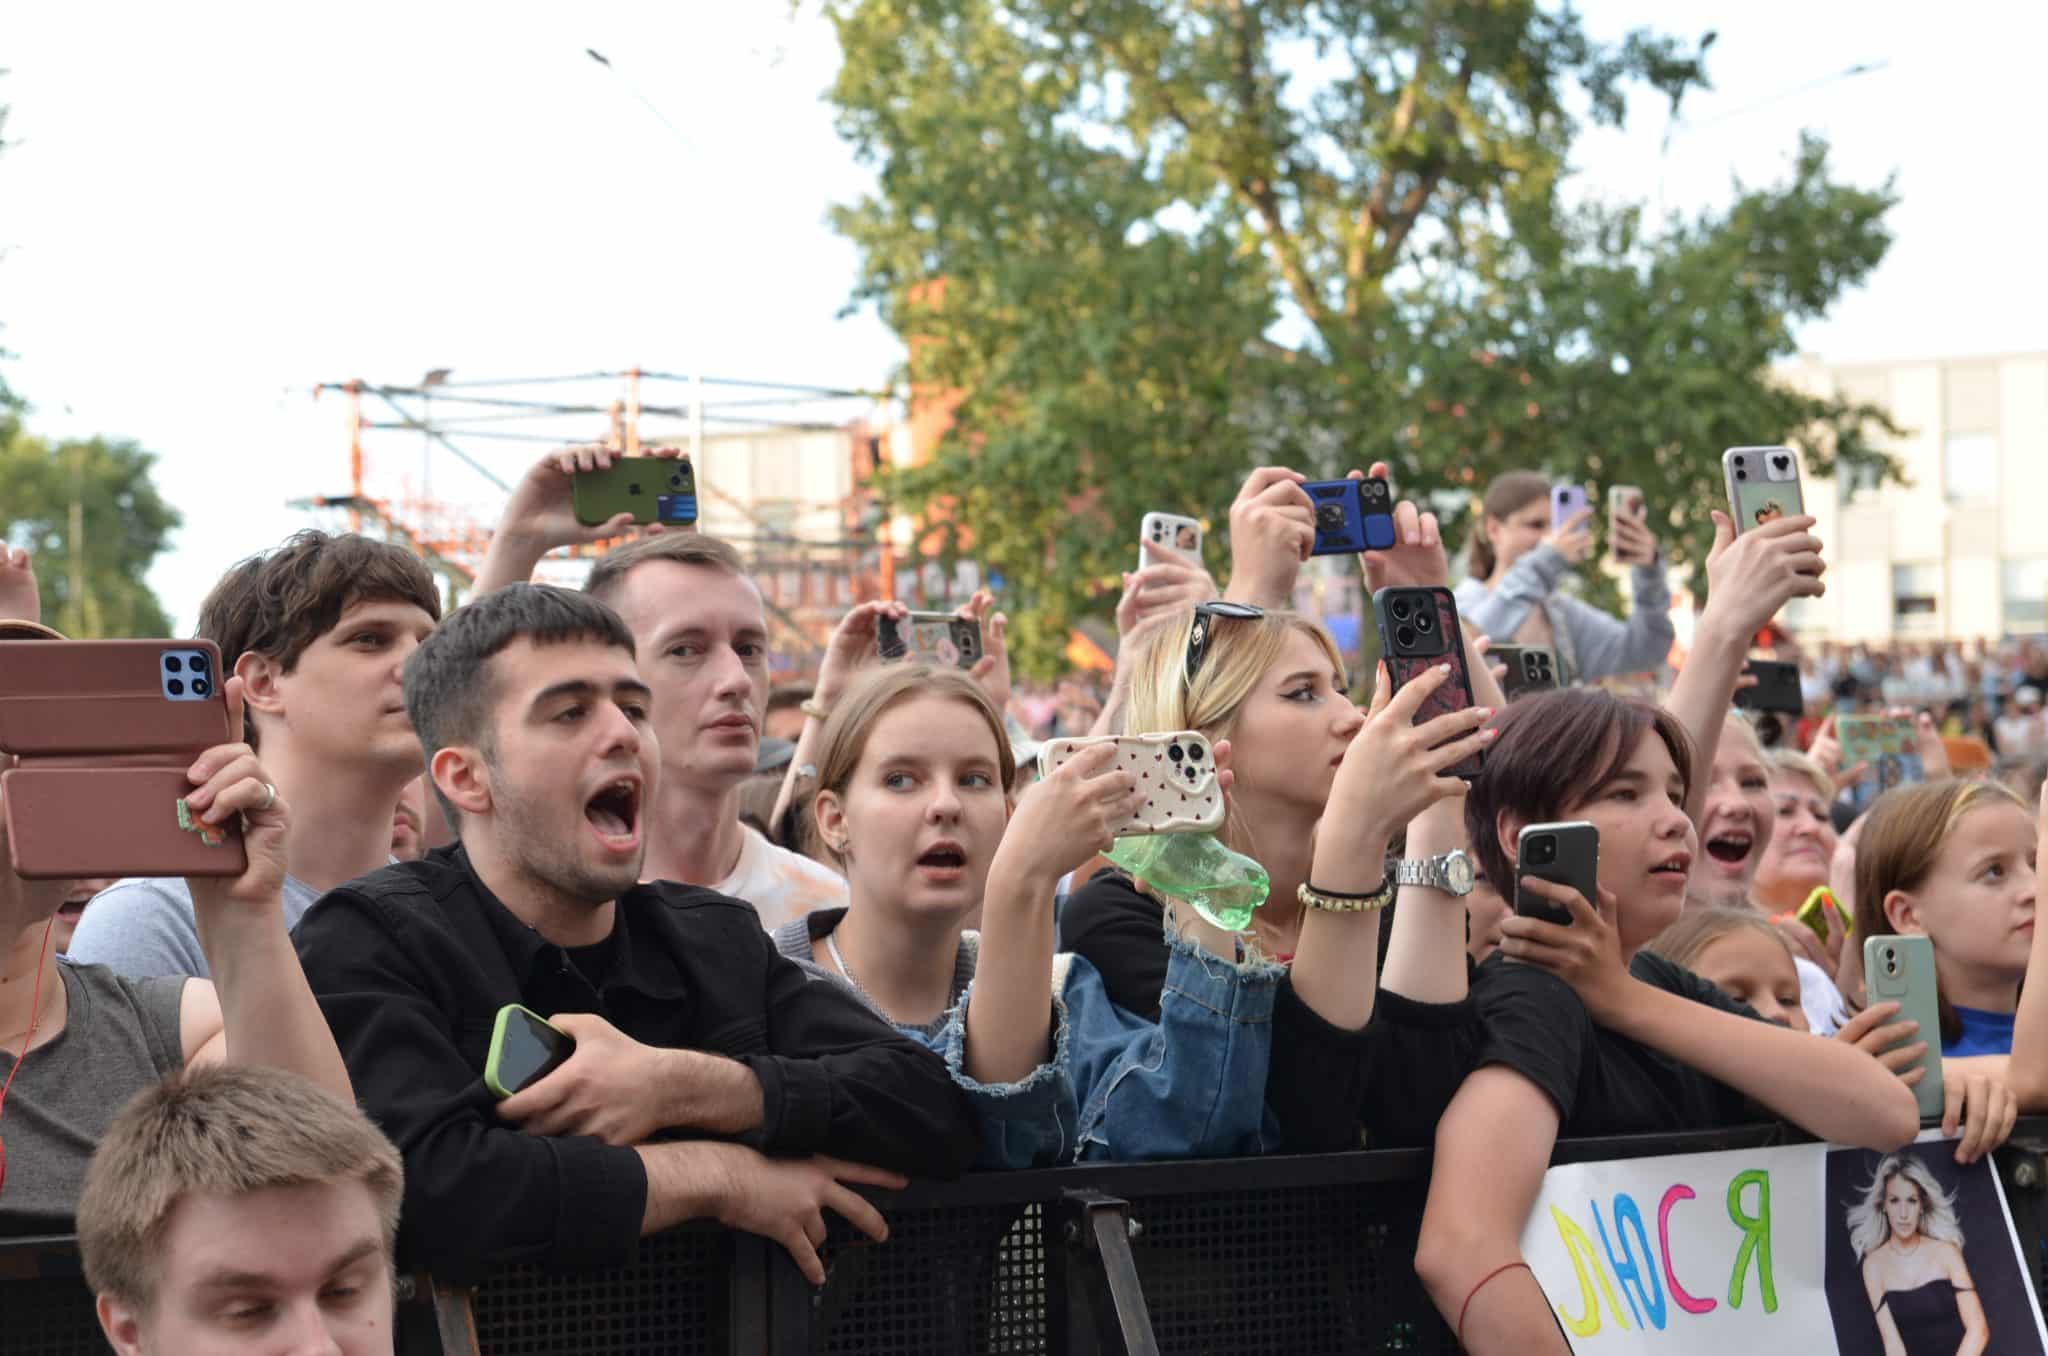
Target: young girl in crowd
{"type": "Point", "coordinates": [1583, 1035]}
{"type": "Point", "coordinates": [913, 769]}
{"type": "Point", "coordinates": [1519, 559]}
{"type": "Point", "coordinates": [1739, 952]}
{"type": "Point", "coordinates": [1954, 861]}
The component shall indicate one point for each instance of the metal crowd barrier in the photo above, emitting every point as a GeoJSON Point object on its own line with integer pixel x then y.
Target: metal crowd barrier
{"type": "Point", "coordinates": [1294, 1255]}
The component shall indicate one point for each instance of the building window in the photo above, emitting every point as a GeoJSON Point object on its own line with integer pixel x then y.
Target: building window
{"type": "Point", "coordinates": [1852, 479]}
{"type": "Point", "coordinates": [2026, 596]}
{"type": "Point", "coordinates": [1916, 597]}
{"type": "Point", "coordinates": [1969, 466]}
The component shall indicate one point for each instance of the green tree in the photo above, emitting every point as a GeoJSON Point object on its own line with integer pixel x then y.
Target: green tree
{"type": "Point", "coordinates": [1148, 244]}
{"type": "Point", "coordinates": [105, 486]}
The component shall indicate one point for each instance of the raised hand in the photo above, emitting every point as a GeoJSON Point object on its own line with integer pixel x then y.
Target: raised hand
{"type": "Point", "coordinates": [1417, 558]}
{"type": "Point", "coordinates": [992, 670]}
{"type": "Point", "coordinates": [1272, 531]}
{"type": "Point", "coordinates": [853, 647]}
{"type": "Point", "coordinates": [229, 781]}
{"type": "Point", "coordinates": [1752, 575]}
{"type": "Point", "coordinates": [19, 599]}
{"type": "Point", "coordinates": [1067, 818]}
{"type": "Point", "coordinates": [1169, 582]}
{"type": "Point", "coordinates": [1634, 543]}
{"type": "Point", "coordinates": [1394, 766]}
{"type": "Point", "coordinates": [541, 514]}
{"type": "Point", "coordinates": [1573, 539]}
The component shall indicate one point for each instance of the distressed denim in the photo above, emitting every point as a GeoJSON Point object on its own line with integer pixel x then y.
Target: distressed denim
{"type": "Point", "coordinates": [1120, 1088]}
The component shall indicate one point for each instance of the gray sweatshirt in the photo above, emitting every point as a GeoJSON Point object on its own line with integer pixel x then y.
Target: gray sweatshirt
{"type": "Point", "coordinates": [1590, 643]}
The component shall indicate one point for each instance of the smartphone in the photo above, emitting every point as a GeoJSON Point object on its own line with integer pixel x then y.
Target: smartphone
{"type": "Point", "coordinates": [652, 489]}
{"type": "Point", "coordinates": [1777, 688]}
{"type": "Point", "coordinates": [524, 1050]}
{"type": "Point", "coordinates": [1814, 912]}
{"type": "Point", "coordinates": [1625, 501]}
{"type": "Point", "coordinates": [1567, 853]}
{"type": "Point", "coordinates": [1566, 501]}
{"type": "Point", "coordinates": [1763, 484]}
{"type": "Point", "coordinates": [1901, 969]}
{"type": "Point", "coordinates": [105, 730]}
{"type": "Point", "coordinates": [1177, 773]}
{"type": "Point", "coordinates": [1171, 530]}
{"type": "Point", "coordinates": [933, 637]}
{"type": "Point", "coordinates": [1418, 630]}
{"type": "Point", "coordinates": [1530, 668]}
{"type": "Point", "coordinates": [1351, 515]}
{"type": "Point", "coordinates": [78, 822]}
{"type": "Point", "coordinates": [1889, 744]}
{"type": "Point", "coordinates": [84, 698]}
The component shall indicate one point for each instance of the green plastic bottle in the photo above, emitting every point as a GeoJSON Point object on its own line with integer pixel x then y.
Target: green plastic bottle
{"type": "Point", "coordinates": [1221, 885]}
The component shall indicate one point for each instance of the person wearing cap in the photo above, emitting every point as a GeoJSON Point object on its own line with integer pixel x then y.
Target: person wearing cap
{"type": "Point", "coordinates": [120, 1036]}
{"type": "Point", "coordinates": [2019, 733]}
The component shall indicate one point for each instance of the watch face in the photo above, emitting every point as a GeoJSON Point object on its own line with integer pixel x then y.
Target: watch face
{"type": "Point", "coordinates": [1458, 872]}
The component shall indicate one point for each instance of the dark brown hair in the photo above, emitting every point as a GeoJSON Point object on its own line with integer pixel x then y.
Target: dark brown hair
{"type": "Point", "coordinates": [1510, 492]}
{"type": "Point", "coordinates": [608, 576]}
{"type": "Point", "coordinates": [278, 603]}
{"type": "Point", "coordinates": [1557, 750]}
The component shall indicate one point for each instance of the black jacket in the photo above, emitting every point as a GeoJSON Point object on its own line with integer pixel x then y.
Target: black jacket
{"type": "Point", "coordinates": [411, 965]}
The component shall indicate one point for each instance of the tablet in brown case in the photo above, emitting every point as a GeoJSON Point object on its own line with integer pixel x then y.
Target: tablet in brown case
{"type": "Point", "coordinates": [105, 730]}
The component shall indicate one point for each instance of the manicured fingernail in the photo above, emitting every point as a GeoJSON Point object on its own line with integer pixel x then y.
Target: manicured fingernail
{"type": "Point", "coordinates": [1489, 734]}
{"type": "Point", "coordinates": [1484, 712]}
{"type": "Point", "coordinates": [1443, 668]}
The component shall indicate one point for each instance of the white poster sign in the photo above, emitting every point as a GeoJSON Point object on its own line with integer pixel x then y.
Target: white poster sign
{"type": "Point", "coordinates": [1809, 1248]}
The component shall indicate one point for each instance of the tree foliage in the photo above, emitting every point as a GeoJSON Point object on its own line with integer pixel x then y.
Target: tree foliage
{"type": "Point", "coordinates": [126, 525]}
{"type": "Point", "coordinates": [1148, 244]}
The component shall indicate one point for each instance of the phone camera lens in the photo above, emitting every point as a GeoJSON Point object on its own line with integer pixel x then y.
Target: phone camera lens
{"type": "Point", "coordinates": [198, 663]}
{"type": "Point", "coordinates": [1741, 474]}
{"type": "Point", "coordinates": [175, 687]}
{"type": "Point", "coordinates": [173, 664]}
{"type": "Point", "coordinates": [1542, 851]}
{"type": "Point", "coordinates": [1400, 609]}
{"type": "Point", "coordinates": [1424, 623]}
{"type": "Point", "coordinates": [1891, 963]}
{"type": "Point", "coordinates": [1194, 753]}
{"type": "Point", "coordinates": [200, 687]}
{"type": "Point", "coordinates": [1173, 751]}
{"type": "Point", "coordinates": [1404, 637]}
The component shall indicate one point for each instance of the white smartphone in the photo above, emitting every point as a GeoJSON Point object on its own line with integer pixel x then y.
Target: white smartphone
{"type": "Point", "coordinates": [1176, 773]}
{"type": "Point", "coordinates": [1170, 530]}
{"type": "Point", "coordinates": [1763, 484]}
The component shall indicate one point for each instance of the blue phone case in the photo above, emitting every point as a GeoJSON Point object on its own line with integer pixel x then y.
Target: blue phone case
{"type": "Point", "coordinates": [1351, 516]}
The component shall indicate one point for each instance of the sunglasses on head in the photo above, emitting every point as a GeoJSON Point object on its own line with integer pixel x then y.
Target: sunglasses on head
{"type": "Point", "coordinates": [1206, 615]}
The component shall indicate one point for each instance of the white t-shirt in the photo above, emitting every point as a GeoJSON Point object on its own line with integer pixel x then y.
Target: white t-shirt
{"type": "Point", "coordinates": [1819, 997]}
{"type": "Point", "coordinates": [780, 884]}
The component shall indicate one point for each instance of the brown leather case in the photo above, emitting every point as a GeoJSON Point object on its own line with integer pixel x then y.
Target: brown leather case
{"type": "Point", "coordinates": [71, 822]}
{"type": "Point", "coordinates": [104, 748]}
{"type": "Point", "coordinates": [103, 696]}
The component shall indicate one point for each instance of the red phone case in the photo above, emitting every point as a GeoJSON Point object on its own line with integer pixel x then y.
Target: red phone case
{"type": "Point", "coordinates": [1455, 693]}
{"type": "Point", "coordinates": [104, 751]}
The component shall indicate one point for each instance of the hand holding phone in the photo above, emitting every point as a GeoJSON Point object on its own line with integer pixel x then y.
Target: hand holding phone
{"type": "Point", "coordinates": [652, 489]}
{"type": "Point", "coordinates": [1628, 526]}
{"type": "Point", "coordinates": [1529, 668]}
{"type": "Point", "coordinates": [1418, 630]}
{"type": "Point", "coordinates": [1175, 775]}
{"type": "Point", "coordinates": [1172, 532]}
{"type": "Point", "coordinates": [1566, 503]}
{"type": "Point", "coordinates": [930, 637]}
{"type": "Point", "coordinates": [1900, 970]}
{"type": "Point", "coordinates": [1565, 853]}
{"type": "Point", "coordinates": [1351, 515]}
{"type": "Point", "coordinates": [525, 1048]}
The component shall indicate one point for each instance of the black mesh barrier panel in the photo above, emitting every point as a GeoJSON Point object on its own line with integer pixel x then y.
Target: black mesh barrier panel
{"type": "Point", "coordinates": [45, 1309]}
{"type": "Point", "coordinates": [674, 1298]}
{"type": "Point", "coordinates": [960, 1279]}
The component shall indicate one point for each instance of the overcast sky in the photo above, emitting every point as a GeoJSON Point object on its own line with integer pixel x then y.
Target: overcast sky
{"type": "Point", "coordinates": [202, 217]}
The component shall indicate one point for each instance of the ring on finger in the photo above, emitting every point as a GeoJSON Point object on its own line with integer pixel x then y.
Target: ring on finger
{"type": "Point", "coordinates": [269, 797]}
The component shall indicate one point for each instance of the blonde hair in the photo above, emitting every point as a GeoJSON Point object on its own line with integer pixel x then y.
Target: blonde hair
{"type": "Point", "coordinates": [1870, 1224]}
{"type": "Point", "coordinates": [1901, 840]}
{"type": "Point", "coordinates": [1792, 762]}
{"type": "Point", "coordinates": [1163, 700]}
{"type": "Point", "coordinates": [853, 719]}
{"type": "Point", "coordinates": [1700, 926]}
{"type": "Point", "coordinates": [607, 578]}
{"type": "Point", "coordinates": [218, 1131]}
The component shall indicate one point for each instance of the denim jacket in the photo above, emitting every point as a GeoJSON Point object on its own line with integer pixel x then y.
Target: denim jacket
{"type": "Point", "coordinates": [1120, 1088]}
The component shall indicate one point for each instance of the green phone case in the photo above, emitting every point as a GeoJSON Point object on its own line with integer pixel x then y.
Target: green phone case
{"type": "Point", "coordinates": [1901, 969]}
{"type": "Point", "coordinates": [492, 1060]}
{"type": "Point", "coordinates": [652, 489]}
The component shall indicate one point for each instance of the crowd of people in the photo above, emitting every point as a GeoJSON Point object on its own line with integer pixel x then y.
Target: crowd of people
{"type": "Point", "coordinates": [811, 942]}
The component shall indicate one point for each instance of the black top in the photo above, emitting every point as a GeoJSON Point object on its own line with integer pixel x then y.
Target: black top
{"type": "Point", "coordinates": [411, 965]}
{"type": "Point", "coordinates": [1602, 1083]}
{"type": "Point", "coordinates": [1117, 930]}
{"type": "Point", "coordinates": [1927, 1317]}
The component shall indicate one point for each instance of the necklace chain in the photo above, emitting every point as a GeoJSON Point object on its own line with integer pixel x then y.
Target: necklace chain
{"type": "Point", "coordinates": [846, 972]}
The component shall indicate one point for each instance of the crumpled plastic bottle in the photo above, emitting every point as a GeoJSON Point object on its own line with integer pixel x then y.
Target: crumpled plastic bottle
{"type": "Point", "coordinates": [1221, 885]}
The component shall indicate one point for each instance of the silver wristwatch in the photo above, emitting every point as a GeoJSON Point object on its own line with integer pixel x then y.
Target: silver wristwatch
{"type": "Point", "coordinates": [1450, 872]}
